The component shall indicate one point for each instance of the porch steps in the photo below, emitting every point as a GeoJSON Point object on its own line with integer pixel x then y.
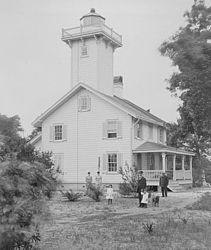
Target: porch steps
{"type": "Point", "coordinates": [175, 186]}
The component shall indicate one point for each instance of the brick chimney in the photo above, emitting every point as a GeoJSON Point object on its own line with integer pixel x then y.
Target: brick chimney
{"type": "Point", "coordinates": [118, 86]}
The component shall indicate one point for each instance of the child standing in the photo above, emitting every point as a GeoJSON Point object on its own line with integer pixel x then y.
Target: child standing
{"type": "Point", "coordinates": [109, 194]}
{"type": "Point", "coordinates": [144, 200]}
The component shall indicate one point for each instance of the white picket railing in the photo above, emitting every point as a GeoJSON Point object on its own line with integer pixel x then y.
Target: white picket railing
{"type": "Point", "coordinates": [83, 30]}
{"type": "Point", "coordinates": [152, 174]}
{"type": "Point", "coordinates": [178, 174]}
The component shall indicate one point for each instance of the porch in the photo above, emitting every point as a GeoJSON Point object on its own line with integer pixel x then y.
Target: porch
{"type": "Point", "coordinates": [154, 159]}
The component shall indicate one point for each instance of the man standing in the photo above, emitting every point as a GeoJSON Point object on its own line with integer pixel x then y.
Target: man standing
{"type": "Point", "coordinates": [164, 181]}
{"type": "Point", "coordinates": [141, 186]}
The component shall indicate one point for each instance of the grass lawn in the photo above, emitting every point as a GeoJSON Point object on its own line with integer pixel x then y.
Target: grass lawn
{"type": "Point", "coordinates": [86, 224]}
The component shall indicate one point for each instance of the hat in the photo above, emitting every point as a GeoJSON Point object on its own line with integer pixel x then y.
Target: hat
{"type": "Point", "coordinates": [141, 172]}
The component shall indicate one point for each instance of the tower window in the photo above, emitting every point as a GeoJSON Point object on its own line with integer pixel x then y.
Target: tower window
{"type": "Point", "coordinates": [84, 51]}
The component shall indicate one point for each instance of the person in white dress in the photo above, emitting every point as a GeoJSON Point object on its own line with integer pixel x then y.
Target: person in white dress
{"type": "Point", "coordinates": [110, 194]}
{"type": "Point", "coordinates": [145, 198]}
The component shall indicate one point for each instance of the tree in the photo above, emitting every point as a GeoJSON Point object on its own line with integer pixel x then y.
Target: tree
{"type": "Point", "coordinates": [10, 128]}
{"type": "Point", "coordinates": [190, 52]}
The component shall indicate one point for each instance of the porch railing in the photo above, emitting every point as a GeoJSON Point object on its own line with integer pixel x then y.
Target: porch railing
{"type": "Point", "coordinates": [177, 175]}
{"type": "Point", "coordinates": [152, 174]}
{"type": "Point", "coordinates": [183, 175]}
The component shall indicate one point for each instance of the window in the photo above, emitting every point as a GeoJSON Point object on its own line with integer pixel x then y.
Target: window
{"type": "Point", "coordinates": [161, 135]}
{"type": "Point", "coordinates": [112, 162]}
{"type": "Point", "coordinates": [59, 162]}
{"type": "Point", "coordinates": [187, 162]}
{"type": "Point", "coordinates": [150, 161]}
{"type": "Point", "coordinates": [178, 162]}
{"type": "Point", "coordinates": [150, 126]}
{"type": "Point", "coordinates": [58, 133]}
{"type": "Point", "coordinates": [84, 51]}
{"type": "Point", "coordinates": [84, 103]}
{"type": "Point", "coordinates": [112, 129]}
{"type": "Point", "coordinates": [139, 130]}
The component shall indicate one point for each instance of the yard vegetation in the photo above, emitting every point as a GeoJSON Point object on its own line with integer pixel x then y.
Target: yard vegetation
{"type": "Point", "coordinates": [86, 224]}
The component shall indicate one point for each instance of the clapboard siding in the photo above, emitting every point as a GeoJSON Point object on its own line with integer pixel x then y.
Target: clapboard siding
{"type": "Point", "coordinates": [145, 126]}
{"type": "Point", "coordinates": [85, 142]}
{"type": "Point", "coordinates": [91, 69]}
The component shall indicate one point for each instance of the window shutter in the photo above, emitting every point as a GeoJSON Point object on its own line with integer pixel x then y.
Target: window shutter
{"type": "Point", "coordinates": [51, 133]}
{"type": "Point", "coordinates": [119, 159]}
{"type": "Point", "coordinates": [105, 130]}
{"type": "Point", "coordinates": [105, 163]}
{"type": "Point", "coordinates": [64, 132]}
{"type": "Point", "coordinates": [135, 131]}
{"type": "Point", "coordinates": [158, 134]}
{"type": "Point", "coordinates": [119, 129]}
{"type": "Point", "coordinates": [89, 103]}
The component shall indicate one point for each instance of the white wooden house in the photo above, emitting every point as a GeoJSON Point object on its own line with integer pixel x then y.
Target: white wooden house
{"type": "Point", "coordinates": [93, 128]}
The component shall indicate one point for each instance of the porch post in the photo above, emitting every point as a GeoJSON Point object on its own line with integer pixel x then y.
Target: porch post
{"type": "Point", "coordinates": [164, 161]}
{"type": "Point", "coordinates": [191, 166]}
{"type": "Point", "coordinates": [174, 167]}
{"type": "Point", "coordinates": [183, 166]}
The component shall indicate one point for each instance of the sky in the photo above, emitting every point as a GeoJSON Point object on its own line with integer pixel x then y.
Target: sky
{"type": "Point", "coordinates": [35, 63]}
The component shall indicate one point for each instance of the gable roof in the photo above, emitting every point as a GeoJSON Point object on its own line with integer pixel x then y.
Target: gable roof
{"type": "Point", "coordinates": [148, 147]}
{"type": "Point", "coordinates": [122, 104]}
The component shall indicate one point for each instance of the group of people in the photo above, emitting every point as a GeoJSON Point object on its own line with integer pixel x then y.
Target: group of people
{"type": "Point", "coordinates": [143, 195]}
{"type": "Point", "coordinates": [98, 183]}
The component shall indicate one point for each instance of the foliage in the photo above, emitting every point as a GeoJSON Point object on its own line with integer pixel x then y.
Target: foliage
{"type": "Point", "coordinates": [204, 203]}
{"type": "Point", "coordinates": [130, 179]}
{"type": "Point", "coordinates": [9, 134]}
{"type": "Point", "coordinates": [22, 193]}
{"type": "Point", "coordinates": [28, 153]}
{"type": "Point", "coordinates": [95, 192]}
{"type": "Point", "coordinates": [125, 188]}
{"type": "Point", "coordinates": [191, 54]}
{"type": "Point", "coordinates": [71, 196]}
{"type": "Point", "coordinates": [205, 165]}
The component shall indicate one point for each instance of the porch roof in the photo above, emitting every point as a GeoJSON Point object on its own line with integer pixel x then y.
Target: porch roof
{"type": "Point", "coordinates": [150, 147]}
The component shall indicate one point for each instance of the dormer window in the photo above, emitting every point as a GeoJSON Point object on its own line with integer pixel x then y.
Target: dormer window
{"type": "Point", "coordinates": [84, 51]}
{"type": "Point", "coordinates": [84, 103]}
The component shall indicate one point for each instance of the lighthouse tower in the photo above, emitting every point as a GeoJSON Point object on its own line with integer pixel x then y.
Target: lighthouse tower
{"type": "Point", "coordinates": [92, 44]}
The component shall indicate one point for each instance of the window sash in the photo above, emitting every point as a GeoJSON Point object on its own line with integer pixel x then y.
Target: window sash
{"type": "Point", "coordinates": [58, 132]}
{"type": "Point", "coordinates": [84, 51]}
{"type": "Point", "coordinates": [112, 129]}
{"type": "Point", "coordinates": [84, 103]}
{"type": "Point", "coordinates": [112, 163]}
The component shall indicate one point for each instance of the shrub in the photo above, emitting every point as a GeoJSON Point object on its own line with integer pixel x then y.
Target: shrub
{"type": "Point", "coordinates": [125, 188]}
{"type": "Point", "coordinates": [95, 192]}
{"type": "Point", "coordinates": [71, 196]}
{"type": "Point", "coordinates": [22, 195]}
{"type": "Point", "coordinates": [130, 180]}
